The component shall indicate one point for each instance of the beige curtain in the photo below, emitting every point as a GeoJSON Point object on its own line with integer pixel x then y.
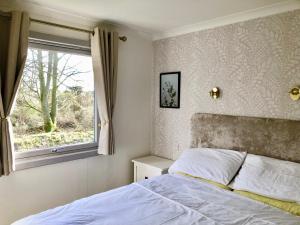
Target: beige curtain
{"type": "Point", "coordinates": [14, 30]}
{"type": "Point", "coordinates": [104, 46]}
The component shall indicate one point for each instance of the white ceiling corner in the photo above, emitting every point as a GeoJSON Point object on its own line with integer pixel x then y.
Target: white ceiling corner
{"type": "Point", "coordinates": [230, 19]}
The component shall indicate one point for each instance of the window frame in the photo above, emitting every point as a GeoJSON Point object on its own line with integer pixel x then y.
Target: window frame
{"type": "Point", "coordinates": [40, 157]}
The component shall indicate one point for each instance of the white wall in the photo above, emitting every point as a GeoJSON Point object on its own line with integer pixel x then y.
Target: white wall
{"type": "Point", "coordinates": [34, 190]}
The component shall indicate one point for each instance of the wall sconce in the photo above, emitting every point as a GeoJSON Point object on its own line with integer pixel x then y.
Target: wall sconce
{"type": "Point", "coordinates": [215, 93]}
{"type": "Point", "coordinates": [295, 93]}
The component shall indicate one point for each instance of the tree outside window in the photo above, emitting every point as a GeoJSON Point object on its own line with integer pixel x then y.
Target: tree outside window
{"type": "Point", "coordinates": [55, 102]}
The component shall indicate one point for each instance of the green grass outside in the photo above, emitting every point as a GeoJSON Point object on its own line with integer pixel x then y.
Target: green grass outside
{"type": "Point", "coordinates": [54, 139]}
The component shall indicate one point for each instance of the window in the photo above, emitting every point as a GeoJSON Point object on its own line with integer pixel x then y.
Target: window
{"type": "Point", "coordinates": [55, 107]}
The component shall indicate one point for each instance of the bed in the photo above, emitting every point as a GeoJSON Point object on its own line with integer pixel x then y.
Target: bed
{"type": "Point", "coordinates": [167, 199]}
{"type": "Point", "coordinates": [178, 199]}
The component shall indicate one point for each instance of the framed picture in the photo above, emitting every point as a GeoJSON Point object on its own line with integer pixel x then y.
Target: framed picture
{"type": "Point", "coordinates": [169, 90]}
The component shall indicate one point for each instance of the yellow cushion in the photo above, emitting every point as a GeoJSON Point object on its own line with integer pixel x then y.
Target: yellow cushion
{"type": "Point", "coordinates": [290, 207]}
{"type": "Point", "coordinates": [207, 181]}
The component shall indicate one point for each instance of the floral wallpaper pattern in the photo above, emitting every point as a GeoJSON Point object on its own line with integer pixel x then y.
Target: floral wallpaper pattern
{"type": "Point", "coordinates": [255, 63]}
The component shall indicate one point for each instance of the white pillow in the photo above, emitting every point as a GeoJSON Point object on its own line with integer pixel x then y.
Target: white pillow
{"type": "Point", "coordinates": [218, 165]}
{"type": "Point", "coordinates": [269, 177]}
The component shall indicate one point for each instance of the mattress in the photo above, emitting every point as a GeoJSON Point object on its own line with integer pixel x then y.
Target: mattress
{"type": "Point", "coordinates": [164, 200]}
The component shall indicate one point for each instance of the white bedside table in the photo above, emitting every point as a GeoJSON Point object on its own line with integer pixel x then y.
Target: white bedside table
{"type": "Point", "coordinates": [150, 166]}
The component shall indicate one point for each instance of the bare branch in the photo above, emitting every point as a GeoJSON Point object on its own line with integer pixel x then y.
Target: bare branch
{"type": "Point", "coordinates": [65, 65]}
{"type": "Point", "coordinates": [68, 76]}
{"type": "Point", "coordinates": [28, 105]}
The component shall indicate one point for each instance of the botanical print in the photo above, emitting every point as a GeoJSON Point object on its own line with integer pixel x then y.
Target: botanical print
{"type": "Point", "coordinates": [169, 90]}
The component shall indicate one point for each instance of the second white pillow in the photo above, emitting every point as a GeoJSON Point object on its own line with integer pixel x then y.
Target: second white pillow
{"type": "Point", "coordinates": [269, 177]}
{"type": "Point", "coordinates": [218, 165]}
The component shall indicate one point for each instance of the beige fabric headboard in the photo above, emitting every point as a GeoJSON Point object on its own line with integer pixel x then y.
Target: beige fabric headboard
{"type": "Point", "coordinates": [276, 138]}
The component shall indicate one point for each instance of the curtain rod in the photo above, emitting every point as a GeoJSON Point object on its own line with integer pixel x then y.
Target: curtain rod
{"type": "Point", "coordinates": [122, 38]}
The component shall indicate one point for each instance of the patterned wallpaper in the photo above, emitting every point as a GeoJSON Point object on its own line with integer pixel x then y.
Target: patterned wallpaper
{"type": "Point", "coordinates": [255, 63]}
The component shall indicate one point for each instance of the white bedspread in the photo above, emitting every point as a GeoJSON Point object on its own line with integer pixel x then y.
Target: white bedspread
{"type": "Point", "coordinates": [167, 199]}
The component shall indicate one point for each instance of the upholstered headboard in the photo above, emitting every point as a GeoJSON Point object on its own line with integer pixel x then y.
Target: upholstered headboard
{"type": "Point", "coordinates": [276, 138]}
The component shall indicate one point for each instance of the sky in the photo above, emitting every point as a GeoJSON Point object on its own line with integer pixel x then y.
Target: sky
{"type": "Point", "coordinates": [83, 63]}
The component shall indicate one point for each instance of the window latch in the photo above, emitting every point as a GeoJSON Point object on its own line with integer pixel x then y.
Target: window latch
{"type": "Point", "coordinates": [57, 150]}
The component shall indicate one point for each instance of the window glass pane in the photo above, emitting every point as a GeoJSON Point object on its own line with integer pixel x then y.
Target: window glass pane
{"type": "Point", "coordinates": [55, 102]}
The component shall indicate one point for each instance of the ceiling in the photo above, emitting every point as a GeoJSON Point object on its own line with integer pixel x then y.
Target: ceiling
{"type": "Point", "coordinates": [155, 16]}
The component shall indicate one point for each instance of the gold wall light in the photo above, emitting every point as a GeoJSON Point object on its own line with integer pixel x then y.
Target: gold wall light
{"type": "Point", "coordinates": [295, 93]}
{"type": "Point", "coordinates": [215, 93]}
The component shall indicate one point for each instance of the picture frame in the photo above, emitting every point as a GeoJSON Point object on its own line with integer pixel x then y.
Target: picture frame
{"type": "Point", "coordinates": [169, 90]}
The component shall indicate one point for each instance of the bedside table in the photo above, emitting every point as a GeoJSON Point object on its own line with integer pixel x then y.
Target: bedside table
{"type": "Point", "coordinates": [150, 166]}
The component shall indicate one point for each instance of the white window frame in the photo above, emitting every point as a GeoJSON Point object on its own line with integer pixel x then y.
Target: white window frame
{"type": "Point", "coordinates": [40, 157]}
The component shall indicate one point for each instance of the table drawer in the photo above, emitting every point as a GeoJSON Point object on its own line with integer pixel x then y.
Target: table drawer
{"type": "Point", "coordinates": [145, 172]}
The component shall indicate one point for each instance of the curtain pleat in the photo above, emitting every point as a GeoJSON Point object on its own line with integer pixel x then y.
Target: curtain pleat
{"type": "Point", "coordinates": [104, 48]}
{"type": "Point", "coordinates": [15, 31]}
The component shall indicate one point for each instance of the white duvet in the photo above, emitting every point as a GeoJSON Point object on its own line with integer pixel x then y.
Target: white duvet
{"type": "Point", "coordinates": [167, 199]}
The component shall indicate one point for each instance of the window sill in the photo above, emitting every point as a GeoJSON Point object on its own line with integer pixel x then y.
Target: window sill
{"type": "Point", "coordinates": [36, 161]}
